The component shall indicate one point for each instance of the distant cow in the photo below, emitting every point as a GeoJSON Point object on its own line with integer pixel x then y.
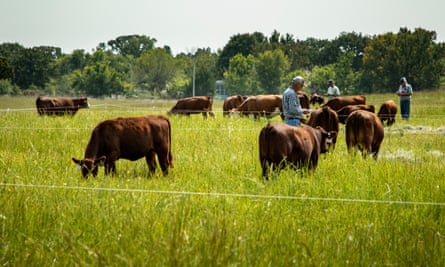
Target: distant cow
{"type": "Point", "coordinates": [364, 131]}
{"type": "Point", "coordinates": [338, 102]}
{"type": "Point", "coordinates": [128, 138]}
{"type": "Point", "coordinates": [261, 105]}
{"type": "Point", "coordinates": [60, 105]}
{"type": "Point", "coordinates": [304, 99]}
{"type": "Point", "coordinates": [316, 99]}
{"type": "Point", "coordinates": [193, 105]}
{"type": "Point", "coordinates": [298, 146]}
{"type": "Point", "coordinates": [326, 118]}
{"type": "Point", "coordinates": [388, 112]}
{"type": "Point", "coordinates": [232, 102]}
{"type": "Point", "coordinates": [344, 112]}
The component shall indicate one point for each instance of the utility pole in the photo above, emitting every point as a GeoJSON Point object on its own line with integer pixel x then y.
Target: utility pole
{"type": "Point", "coordinates": [194, 63]}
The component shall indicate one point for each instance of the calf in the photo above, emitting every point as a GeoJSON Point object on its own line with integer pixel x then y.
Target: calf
{"type": "Point", "coordinates": [128, 138]}
{"type": "Point", "coordinates": [60, 105]}
{"type": "Point", "coordinates": [193, 105]}
{"type": "Point", "coordinates": [326, 118]}
{"type": "Point", "coordinates": [364, 131]}
{"type": "Point", "coordinates": [388, 112]}
{"type": "Point", "coordinates": [299, 146]}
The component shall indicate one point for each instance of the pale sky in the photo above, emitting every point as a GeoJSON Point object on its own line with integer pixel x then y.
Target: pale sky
{"type": "Point", "coordinates": [186, 25]}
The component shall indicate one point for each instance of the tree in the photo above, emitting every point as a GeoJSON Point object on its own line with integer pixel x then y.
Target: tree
{"type": "Point", "coordinates": [133, 45]}
{"type": "Point", "coordinates": [271, 67]}
{"type": "Point", "coordinates": [240, 78]}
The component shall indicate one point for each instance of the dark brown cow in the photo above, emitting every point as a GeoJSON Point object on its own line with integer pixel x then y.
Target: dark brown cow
{"type": "Point", "coordinates": [232, 102]}
{"type": "Point", "coordinates": [128, 138]}
{"type": "Point", "coordinates": [60, 105]}
{"type": "Point", "coordinates": [326, 118]}
{"type": "Point", "coordinates": [298, 146]}
{"type": "Point", "coordinates": [344, 112]}
{"type": "Point", "coordinates": [304, 99]}
{"type": "Point", "coordinates": [338, 102]}
{"type": "Point", "coordinates": [364, 131]}
{"type": "Point", "coordinates": [388, 112]}
{"type": "Point", "coordinates": [193, 105]}
{"type": "Point", "coordinates": [261, 105]}
{"type": "Point", "coordinates": [316, 99]}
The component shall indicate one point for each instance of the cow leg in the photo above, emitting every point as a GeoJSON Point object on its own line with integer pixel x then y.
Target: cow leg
{"type": "Point", "coordinates": [151, 162]}
{"type": "Point", "coordinates": [110, 163]}
{"type": "Point", "coordinates": [265, 167]}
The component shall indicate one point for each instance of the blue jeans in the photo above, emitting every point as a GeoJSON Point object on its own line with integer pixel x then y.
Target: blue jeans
{"type": "Point", "coordinates": [292, 122]}
{"type": "Point", "coordinates": [405, 108]}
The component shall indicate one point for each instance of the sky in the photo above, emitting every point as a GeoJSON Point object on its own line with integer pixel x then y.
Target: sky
{"type": "Point", "coordinates": [186, 25]}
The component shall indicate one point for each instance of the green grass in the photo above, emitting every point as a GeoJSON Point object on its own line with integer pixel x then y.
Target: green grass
{"type": "Point", "coordinates": [213, 209]}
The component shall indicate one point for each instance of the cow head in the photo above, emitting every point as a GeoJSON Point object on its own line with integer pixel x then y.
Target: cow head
{"type": "Point", "coordinates": [88, 166]}
{"type": "Point", "coordinates": [327, 139]}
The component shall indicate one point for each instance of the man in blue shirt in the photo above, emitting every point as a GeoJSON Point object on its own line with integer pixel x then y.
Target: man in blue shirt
{"type": "Point", "coordinates": [405, 92]}
{"type": "Point", "coordinates": [292, 110]}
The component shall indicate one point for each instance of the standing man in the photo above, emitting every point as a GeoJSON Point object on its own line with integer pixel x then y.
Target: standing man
{"type": "Point", "coordinates": [405, 92]}
{"type": "Point", "coordinates": [333, 90]}
{"type": "Point", "coordinates": [293, 112]}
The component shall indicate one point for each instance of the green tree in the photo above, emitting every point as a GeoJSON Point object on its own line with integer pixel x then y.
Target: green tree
{"type": "Point", "coordinates": [271, 67]}
{"type": "Point", "coordinates": [240, 78]}
{"type": "Point", "coordinates": [133, 45]}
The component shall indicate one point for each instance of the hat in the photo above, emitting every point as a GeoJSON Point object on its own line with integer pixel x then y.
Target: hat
{"type": "Point", "coordinates": [297, 80]}
{"type": "Point", "coordinates": [403, 79]}
{"type": "Point", "coordinates": [330, 81]}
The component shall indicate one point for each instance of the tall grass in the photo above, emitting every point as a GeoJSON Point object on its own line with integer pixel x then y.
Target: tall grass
{"type": "Point", "coordinates": [213, 209]}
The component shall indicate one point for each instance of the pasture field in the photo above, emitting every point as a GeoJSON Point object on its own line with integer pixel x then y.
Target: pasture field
{"type": "Point", "coordinates": [214, 209]}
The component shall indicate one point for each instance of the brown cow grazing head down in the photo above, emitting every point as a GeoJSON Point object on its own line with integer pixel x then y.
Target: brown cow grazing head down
{"type": "Point", "coordinates": [338, 102]}
{"type": "Point", "coordinates": [261, 105]}
{"type": "Point", "coordinates": [388, 112]}
{"type": "Point", "coordinates": [281, 145]}
{"type": "Point", "coordinates": [60, 105]}
{"type": "Point", "coordinates": [327, 119]}
{"type": "Point", "coordinates": [232, 102]}
{"type": "Point", "coordinates": [344, 112]}
{"type": "Point", "coordinates": [364, 131]}
{"type": "Point", "coordinates": [193, 105]}
{"type": "Point", "coordinates": [128, 138]}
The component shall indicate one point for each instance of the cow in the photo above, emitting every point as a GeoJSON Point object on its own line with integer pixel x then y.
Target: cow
{"type": "Point", "coordinates": [387, 112]}
{"type": "Point", "coordinates": [316, 99]}
{"type": "Point", "coordinates": [344, 112]}
{"type": "Point", "coordinates": [326, 118]}
{"type": "Point", "coordinates": [338, 102]}
{"type": "Point", "coordinates": [232, 102]}
{"type": "Point", "coordinates": [128, 138]}
{"type": "Point", "coordinates": [193, 105]}
{"type": "Point", "coordinates": [281, 145]}
{"type": "Point", "coordinates": [261, 105]}
{"type": "Point", "coordinates": [60, 105]}
{"type": "Point", "coordinates": [304, 99]}
{"type": "Point", "coordinates": [364, 131]}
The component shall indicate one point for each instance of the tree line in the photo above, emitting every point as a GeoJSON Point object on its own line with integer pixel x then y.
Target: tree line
{"type": "Point", "coordinates": [250, 63]}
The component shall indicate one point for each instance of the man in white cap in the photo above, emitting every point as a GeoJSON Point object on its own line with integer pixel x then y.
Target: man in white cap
{"type": "Point", "coordinates": [405, 92]}
{"type": "Point", "coordinates": [333, 90]}
{"type": "Point", "coordinates": [292, 110]}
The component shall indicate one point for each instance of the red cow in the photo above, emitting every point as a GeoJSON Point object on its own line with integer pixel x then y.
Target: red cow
{"type": "Point", "coordinates": [364, 131]}
{"type": "Point", "coordinates": [326, 118]}
{"type": "Point", "coordinates": [60, 105]}
{"type": "Point", "coordinates": [297, 146]}
{"type": "Point", "coordinates": [232, 102]}
{"type": "Point", "coordinates": [344, 112]}
{"type": "Point", "coordinates": [388, 112]}
{"type": "Point", "coordinates": [128, 138]}
{"type": "Point", "coordinates": [338, 102]}
{"type": "Point", "coordinates": [193, 105]}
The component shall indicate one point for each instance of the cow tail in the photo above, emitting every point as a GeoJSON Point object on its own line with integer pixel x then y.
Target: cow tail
{"type": "Point", "coordinates": [170, 157]}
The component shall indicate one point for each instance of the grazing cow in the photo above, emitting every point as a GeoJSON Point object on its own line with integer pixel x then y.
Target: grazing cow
{"type": "Point", "coordinates": [298, 146]}
{"type": "Point", "coordinates": [316, 99]}
{"type": "Point", "coordinates": [326, 118]}
{"type": "Point", "coordinates": [364, 131]}
{"type": "Point", "coordinates": [261, 105]}
{"type": "Point", "coordinates": [344, 112]}
{"type": "Point", "coordinates": [388, 112]}
{"type": "Point", "coordinates": [338, 102]}
{"type": "Point", "coordinates": [60, 105]}
{"type": "Point", "coordinates": [128, 138]}
{"type": "Point", "coordinates": [232, 102]}
{"type": "Point", "coordinates": [193, 105]}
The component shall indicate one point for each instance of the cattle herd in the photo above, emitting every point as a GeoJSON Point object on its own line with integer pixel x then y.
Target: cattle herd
{"type": "Point", "coordinates": [280, 145]}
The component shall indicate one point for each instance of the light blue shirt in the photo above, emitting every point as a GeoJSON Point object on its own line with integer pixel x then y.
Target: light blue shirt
{"type": "Point", "coordinates": [291, 105]}
{"type": "Point", "coordinates": [407, 89]}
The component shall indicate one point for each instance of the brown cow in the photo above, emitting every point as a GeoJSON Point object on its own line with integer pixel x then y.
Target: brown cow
{"type": "Point", "coordinates": [261, 105]}
{"type": "Point", "coordinates": [338, 102]}
{"type": "Point", "coordinates": [316, 99]}
{"type": "Point", "coordinates": [326, 118]}
{"type": "Point", "coordinates": [128, 138]}
{"type": "Point", "coordinates": [232, 102]}
{"type": "Point", "coordinates": [304, 99]}
{"type": "Point", "coordinates": [344, 112]}
{"type": "Point", "coordinates": [388, 112]}
{"type": "Point", "coordinates": [364, 131]}
{"type": "Point", "coordinates": [193, 105]}
{"type": "Point", "coordinates": [60, 105]}
{"type": "Point", "coordinates": [298, 146]}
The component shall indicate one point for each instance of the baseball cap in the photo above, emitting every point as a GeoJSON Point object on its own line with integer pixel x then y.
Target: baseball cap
{"type": "Point", "coordinates": [297, 80]}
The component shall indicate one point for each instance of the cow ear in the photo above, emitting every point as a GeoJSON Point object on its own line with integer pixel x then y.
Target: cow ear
{"type": "Point", "coordinates": [100, 160]}
{"type": "Point", "coordinates": [77, 161]}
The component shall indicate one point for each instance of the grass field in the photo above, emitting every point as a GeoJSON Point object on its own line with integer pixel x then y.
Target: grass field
{"type": "Point", "coordinates": [213, 209]}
